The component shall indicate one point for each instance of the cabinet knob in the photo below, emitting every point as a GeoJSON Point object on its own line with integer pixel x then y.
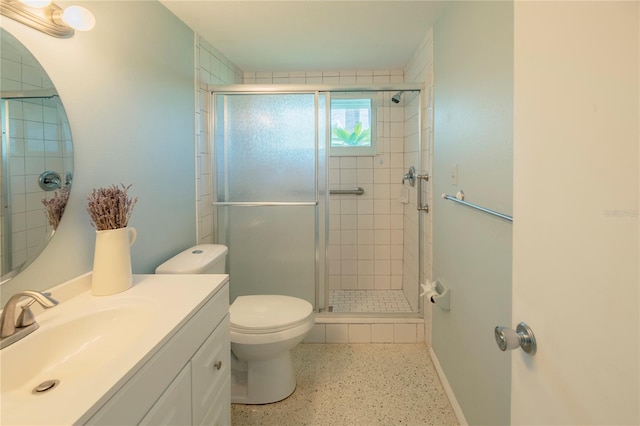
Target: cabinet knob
{"type": "Point", "coordinates": [217, 365]}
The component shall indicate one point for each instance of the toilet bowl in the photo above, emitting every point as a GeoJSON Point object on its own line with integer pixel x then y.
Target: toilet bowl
{"type": "Point", "coordinates": [264, 328]}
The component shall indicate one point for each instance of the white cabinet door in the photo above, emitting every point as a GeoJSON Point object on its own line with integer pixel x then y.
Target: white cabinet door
{"type": "Point", "coordinates": [575, 247]}
{"type": "Point", "coordinates": [174, 406]}
{"type": "Point", "coordinates": [210, 369]}
{"type": "Point", "coordinates": [219, 413]}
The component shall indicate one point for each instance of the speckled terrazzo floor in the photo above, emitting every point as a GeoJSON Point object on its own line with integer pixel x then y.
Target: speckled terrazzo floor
{"type": "Point", "coordinates": [357, 384]}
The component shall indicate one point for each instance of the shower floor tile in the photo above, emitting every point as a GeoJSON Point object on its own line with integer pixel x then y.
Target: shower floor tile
{"type": "Point", "coordinates": [368, 301]}
{"type": "Point", "coordinates": [357, 385]}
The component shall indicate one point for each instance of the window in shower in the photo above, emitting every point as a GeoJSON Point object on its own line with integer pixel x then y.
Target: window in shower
{"type": "Point", "coordinates": [352, 128]}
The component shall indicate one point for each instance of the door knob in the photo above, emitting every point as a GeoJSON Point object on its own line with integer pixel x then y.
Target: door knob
{"type": "Point", "coordinates": [508, 339]}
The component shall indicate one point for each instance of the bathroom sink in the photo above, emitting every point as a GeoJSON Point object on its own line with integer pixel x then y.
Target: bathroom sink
{"type": "Point", "coordinates": [93, 345]}
{"type": "Point", "coordinates": [73, 347]}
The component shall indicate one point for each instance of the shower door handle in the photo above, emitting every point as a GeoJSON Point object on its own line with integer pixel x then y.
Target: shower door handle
{"type": "Point", "coordinates": [422, 207]}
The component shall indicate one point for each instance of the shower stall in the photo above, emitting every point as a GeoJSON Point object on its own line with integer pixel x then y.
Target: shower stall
{"type": "Point", "coordinates": [313, 194]}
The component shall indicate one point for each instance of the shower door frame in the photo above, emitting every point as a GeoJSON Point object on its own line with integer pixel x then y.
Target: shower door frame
{"type": "Point", "coordinates": [7, 234]}
{"type": "Point", "coordinates": [322, 194]}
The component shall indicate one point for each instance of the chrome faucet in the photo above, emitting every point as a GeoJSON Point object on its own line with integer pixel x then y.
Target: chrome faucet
{"type": "Point", "coordinates": [410, 176]}
{"type": "Point", "coordinates": [12, 330]}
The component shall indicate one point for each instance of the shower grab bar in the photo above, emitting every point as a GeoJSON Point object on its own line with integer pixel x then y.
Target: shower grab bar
{"type": "Point", "coordinates": [357, 191]}
{"type": "Point", "coordinates": [264, 203]}
{"type": "Point", "coordinates": [475, 206]}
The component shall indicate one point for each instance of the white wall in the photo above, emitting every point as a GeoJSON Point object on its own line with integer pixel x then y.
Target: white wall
{"type": "Point", "coordinates": [473, 84]}
{"type": "Point", "coordinates": [128, 90]}
{"type": "Point", "coordinates": [576, 245]}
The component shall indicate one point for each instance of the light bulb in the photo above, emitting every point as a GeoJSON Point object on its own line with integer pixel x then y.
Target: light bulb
{"type": "Point", "coordinates": [78, 18]}
{"type": "Point", "coordinates": [37, 4]}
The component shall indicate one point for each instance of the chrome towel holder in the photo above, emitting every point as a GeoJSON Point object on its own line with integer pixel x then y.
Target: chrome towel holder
{"type": "Point", "coordinates": [459, 198]}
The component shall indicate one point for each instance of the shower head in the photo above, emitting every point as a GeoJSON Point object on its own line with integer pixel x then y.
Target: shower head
{"type": "Point", "coordinates": [397, 96]}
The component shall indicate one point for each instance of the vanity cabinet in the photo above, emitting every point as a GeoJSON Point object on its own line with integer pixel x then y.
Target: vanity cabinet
{"type": "Point", "coordinates": [174, 406]}
{"type": "Point", "coordinates": [210, 379]}
{"type": "Point", "coordinates": [186, 382]}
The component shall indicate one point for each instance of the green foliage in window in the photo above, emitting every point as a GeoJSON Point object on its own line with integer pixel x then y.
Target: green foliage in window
{"type": "Point", "coordinates": [359, 137]}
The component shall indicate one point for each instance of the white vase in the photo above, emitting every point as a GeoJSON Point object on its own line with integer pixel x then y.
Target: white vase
{"type": "Point", "coordinates": [112, 261]}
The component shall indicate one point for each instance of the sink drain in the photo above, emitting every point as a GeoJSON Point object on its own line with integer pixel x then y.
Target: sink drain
{"type": "Point", "coordinates": [45, 386]}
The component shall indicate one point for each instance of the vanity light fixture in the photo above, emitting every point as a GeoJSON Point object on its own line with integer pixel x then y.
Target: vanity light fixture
{"type": "Point", "coordinates": [47, 17]}
{"type": "Point", "coordinates": [38, 4]}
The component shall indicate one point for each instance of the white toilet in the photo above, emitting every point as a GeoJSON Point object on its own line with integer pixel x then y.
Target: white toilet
{"type": "Point", "coordinates": [264, 328]}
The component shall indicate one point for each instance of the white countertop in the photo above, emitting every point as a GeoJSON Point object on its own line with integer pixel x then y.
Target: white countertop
{"type": "Point", "coordinates": [166, 303]}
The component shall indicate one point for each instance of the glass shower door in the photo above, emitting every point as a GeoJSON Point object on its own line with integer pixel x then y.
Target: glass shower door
{"type": "Point", "coordinates": [266, 201]}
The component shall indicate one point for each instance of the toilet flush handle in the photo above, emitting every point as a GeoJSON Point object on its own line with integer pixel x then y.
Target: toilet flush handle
{"type": "Point", "coordinates": [522, 337]}
{"type": "Point", "coordinates": [217, 365]}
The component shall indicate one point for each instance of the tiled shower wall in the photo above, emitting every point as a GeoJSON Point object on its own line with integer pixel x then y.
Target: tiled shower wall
{"type": "Point", "coordinates": [411, 157]}
{"type": "Point", "coordinates": [365, 249]}
{"type": "Point", "coordinates": [212, 67]}
{"type": "Point", "coordinates": [325, 77]}
{"type": "Point", "coordinates": [40, 139]}
{"type": "Point", "coordinates": [420, 69]}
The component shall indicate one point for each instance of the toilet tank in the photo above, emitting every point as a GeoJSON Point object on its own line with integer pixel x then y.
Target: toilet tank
{"type": "Point", "coordinates": [200, 259]}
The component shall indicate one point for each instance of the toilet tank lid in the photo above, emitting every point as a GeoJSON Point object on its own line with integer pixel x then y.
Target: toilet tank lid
{"type": "Point", "coordinates": [194, 260]}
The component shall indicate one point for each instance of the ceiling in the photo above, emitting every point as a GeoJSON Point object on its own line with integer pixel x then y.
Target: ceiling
{"type": "Point", "coordinates": [307, 35]}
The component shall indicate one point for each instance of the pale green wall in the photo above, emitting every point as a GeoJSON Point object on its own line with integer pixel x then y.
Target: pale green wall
{"type": "Point", "coordinates": [473, 71]}
{"type": "Point", "coordinates": [128, 90]}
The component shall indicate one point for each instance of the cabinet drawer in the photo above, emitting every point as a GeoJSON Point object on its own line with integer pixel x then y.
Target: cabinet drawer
{"type": "Point", "coordinates": [210, 369]}
{"type": "Point", "coordinates": [174, 406]}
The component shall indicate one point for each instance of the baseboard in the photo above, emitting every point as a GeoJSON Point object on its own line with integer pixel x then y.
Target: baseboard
{"type": "Point", "coordinates": [447, 388]}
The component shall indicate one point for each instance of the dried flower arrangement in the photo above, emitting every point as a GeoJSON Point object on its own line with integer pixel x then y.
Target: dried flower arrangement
{"type": "Point", "coordinates": [54, 207]}
{"type": "Point", "coordinates": [110, 208]}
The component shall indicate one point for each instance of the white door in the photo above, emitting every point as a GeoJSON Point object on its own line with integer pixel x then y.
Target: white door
{"type": "Point", "coordinates": [576, 192]}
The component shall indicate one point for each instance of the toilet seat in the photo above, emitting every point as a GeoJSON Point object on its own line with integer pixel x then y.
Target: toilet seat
{"type": "Point", "coordinates": [264, 314]}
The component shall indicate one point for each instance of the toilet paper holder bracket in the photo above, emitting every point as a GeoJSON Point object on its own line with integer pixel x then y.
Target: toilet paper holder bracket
{"type": "Point", "coordinates": [437, 293]}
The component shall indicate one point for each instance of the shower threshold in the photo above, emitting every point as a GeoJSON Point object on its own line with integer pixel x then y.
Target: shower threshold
{"type": "Point", "coordinates": [354, 327]}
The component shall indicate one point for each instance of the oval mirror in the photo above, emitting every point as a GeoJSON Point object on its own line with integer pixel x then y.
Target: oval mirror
{"type": "Point", "coordinates": [37, 157]}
